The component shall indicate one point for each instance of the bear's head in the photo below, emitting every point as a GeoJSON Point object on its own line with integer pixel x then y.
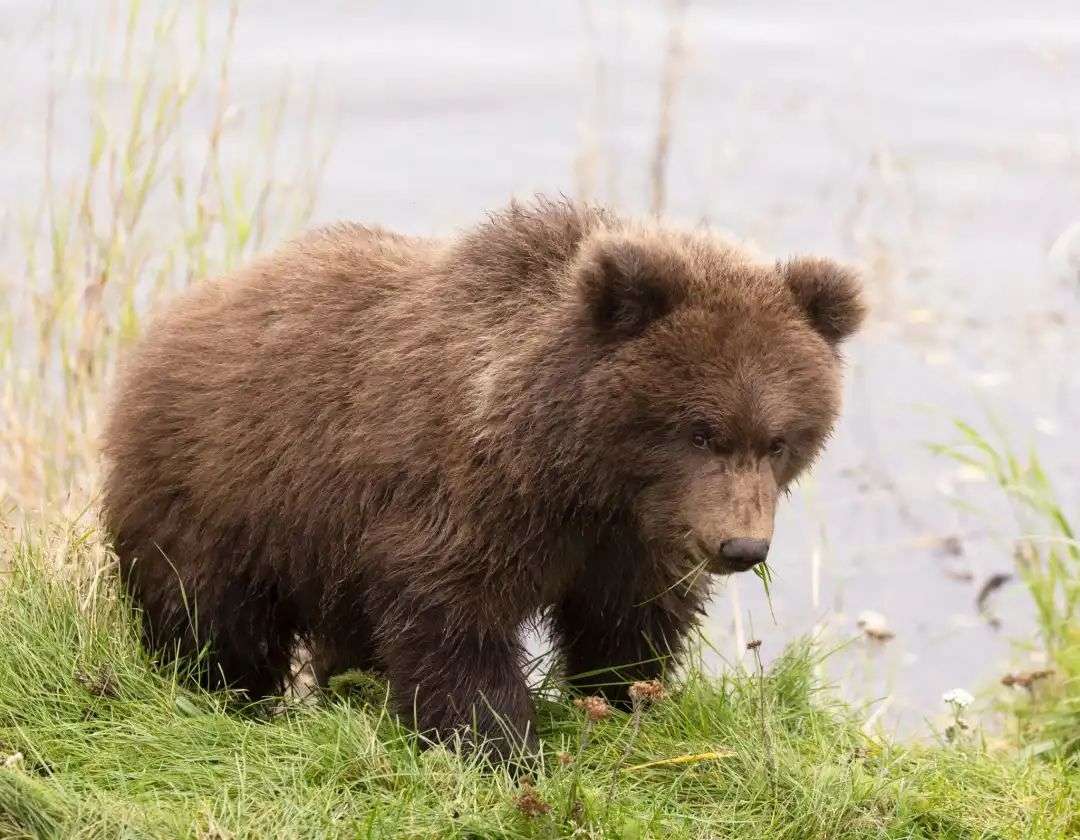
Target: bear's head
{"type": "Point", "coordinates": [715, 381]}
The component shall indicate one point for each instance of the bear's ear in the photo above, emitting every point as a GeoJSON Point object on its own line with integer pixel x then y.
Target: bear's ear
{"type": "Point", "coordinates": [624, 288]}
{"type": "Point", "coordinates": [829, 294]}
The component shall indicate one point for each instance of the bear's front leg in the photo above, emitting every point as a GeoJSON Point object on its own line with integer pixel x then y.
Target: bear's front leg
{"type": "Point", "coordinates": [610, 638]}
{"type": "Point", "coordinates": [453, 678]}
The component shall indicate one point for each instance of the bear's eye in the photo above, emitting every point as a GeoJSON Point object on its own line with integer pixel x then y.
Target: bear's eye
{"type": "Point", "coordinates": [777, 447]}
{"type": "Point", "coordinates": [701, 437]}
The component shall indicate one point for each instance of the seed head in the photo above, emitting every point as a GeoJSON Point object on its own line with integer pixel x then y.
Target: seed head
{"type": "Point", "coordinates": [595, 708]}
{"type": "Point", "coordinates": [530, 803]}
{"type": "Point", "coordinates": [647, 691]}
{"type": "Point", "coordinates": [1025, 679]}
{"type": "Point", "coordinates": [753, 644]}
{"type": "Point", "coordinates": [102, 683]}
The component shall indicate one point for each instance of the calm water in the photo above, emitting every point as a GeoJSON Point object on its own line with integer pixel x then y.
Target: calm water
{"type": "Point", "coordinates": [937, 145]}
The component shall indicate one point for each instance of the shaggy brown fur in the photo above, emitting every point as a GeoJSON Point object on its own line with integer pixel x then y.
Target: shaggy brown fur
{"type": "Point", "coordinates": [400, 449]}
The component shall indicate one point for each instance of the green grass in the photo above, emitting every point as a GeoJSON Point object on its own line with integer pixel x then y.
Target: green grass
{"type": "Point", "coordinates": [1047, 559]}
{"type": "Point", "coordinates": [113, 746]}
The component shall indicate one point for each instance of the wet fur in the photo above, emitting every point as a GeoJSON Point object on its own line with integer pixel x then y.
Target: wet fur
{"type": "Point", "coordinates": [399, 449]}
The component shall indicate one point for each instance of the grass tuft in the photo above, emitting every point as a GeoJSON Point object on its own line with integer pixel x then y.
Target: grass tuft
{"type": "Point", "coordinates": [1046, 704]}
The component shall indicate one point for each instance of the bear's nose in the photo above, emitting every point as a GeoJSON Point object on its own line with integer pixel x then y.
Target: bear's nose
{"type": "Point", "coordinates": [742, 554]}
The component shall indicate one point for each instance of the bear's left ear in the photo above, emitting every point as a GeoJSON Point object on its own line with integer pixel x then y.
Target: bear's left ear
{"type": "Point", "coordinates": [829, 294]}
{"type": "Point", "coordinates": [624, 287]}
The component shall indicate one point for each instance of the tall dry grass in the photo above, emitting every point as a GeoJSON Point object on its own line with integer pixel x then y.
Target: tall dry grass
{"type": "Point", "coordinates": [152, 175]}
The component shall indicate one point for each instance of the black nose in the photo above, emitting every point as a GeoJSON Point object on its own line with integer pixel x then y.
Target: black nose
{"type": "Point", "coordinates": [744, 553]}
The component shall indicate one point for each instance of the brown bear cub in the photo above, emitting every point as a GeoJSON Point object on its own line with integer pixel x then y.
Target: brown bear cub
{"type": "Point", "coordinates": [399, 449]}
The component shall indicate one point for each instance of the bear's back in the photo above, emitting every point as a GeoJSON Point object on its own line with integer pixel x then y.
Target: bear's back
{"type": "Point", "coordinates": [255, 393]}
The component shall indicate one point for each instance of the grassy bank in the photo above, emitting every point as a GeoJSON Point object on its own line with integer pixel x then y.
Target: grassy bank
{"type": "Point", "coordinates": [96, 742]}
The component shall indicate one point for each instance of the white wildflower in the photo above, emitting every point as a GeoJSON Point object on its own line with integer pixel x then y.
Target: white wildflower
{"type": "Point", "coordinates": [957, 697]}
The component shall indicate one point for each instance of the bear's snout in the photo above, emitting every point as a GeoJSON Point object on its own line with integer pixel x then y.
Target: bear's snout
{"type": "Point", "coordinates": [729, 517]}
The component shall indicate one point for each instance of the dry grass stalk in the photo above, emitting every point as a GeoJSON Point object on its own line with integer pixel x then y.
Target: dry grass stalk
{"type": "Point", "coordinates": [672, 75]}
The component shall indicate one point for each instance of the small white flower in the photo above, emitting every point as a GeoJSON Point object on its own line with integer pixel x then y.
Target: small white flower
{"type": "Point", "coordinates": [957, 697]}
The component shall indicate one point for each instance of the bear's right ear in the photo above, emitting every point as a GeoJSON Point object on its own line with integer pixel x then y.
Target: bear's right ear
{"type": "Point", "coordinates": [624, 288]}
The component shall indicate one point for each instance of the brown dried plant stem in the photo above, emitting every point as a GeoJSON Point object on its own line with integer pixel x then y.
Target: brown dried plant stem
{"type": "Point", "coordinates": [591, 125]}
{"type": "Point", "coordinates": [754, 646]}
{"type": "Point", "coordinates": [672, 73]}
{"type": "Point", "coordinates": [635, 730]}
{"type": "Point", "coordinates": [642, 695]}
{"type": "Point", "coordinates": [596, 709]}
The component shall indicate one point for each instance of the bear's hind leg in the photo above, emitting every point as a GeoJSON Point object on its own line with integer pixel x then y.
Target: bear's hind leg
{"type": "Point", "coordinates": [244, 632]}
